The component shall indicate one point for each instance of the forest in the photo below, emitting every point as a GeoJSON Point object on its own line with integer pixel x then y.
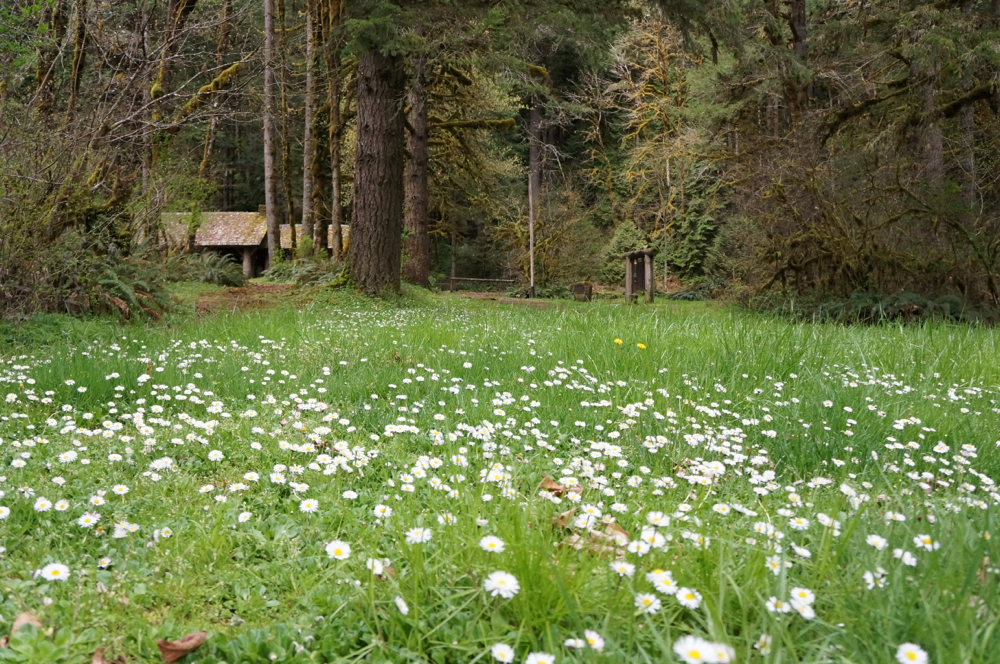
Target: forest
{"type": "Point", "coordinates": [837, 153]}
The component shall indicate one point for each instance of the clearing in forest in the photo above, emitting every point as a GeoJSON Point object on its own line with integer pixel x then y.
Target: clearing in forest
{"type": "Point", "coordinates": [442, 480]}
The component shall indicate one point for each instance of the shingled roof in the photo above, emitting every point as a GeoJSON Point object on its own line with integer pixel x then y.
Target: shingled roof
{"type": "Point", "coordinates": [217, 229]}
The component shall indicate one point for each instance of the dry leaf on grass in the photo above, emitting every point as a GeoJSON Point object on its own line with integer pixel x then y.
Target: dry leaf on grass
{"type": "Point", "coordinates": [98, 657]}
{"type": "Point", "coordinates": [553, 487]}
{"type": "Point", "coordinates": [26, 618]}
{"type": "Point", "coordinates": [175, 650]}
{"type": "Point", "coordinates": [564, 519]}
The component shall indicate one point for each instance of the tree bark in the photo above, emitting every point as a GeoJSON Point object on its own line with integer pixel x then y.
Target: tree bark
{"type": "Point", "coordinates": [798, 23]}
{"type": "Point", "coordinates": [79, 57]}
{"type": "Point", "coordinates": [308, 140]}
{"type": "Point", "coordinates": [332, 52]}
{"type": "Point", "coordinates": [222, 46]}
{"type": "Point", "coordinates": [534, 183]}
{"type": "Point", "coordinates": [418, 243]}
{"type": "Point", "coordinates": [934, 140]}
{"type": "Point", "coordinates": [270, 191]}
{"type": "Point", "coordinates": [55, 18]}
{"type": "Point", "coordinates": [377, 222]}
{"type": "Point", "coordinates": [286, 146]}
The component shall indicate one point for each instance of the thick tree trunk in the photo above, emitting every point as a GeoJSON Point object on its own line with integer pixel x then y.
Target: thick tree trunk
{"type": "Point", "coordinates": [270, 191]}
{"type": "Point", "coordinates": [377, 222]}
{"type": "Point", "coordinates": [308, 140]}
{"type": "Point", "coordinates": [418, 243]}
{"type": "Point", "coordinates": [332, 52]}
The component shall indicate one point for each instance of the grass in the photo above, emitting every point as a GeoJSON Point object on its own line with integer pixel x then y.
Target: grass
{"type": "Point", "coordinates": [431, 390]}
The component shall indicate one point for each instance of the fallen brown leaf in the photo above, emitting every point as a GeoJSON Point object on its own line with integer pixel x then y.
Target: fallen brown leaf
{"type": "Point", "coordinates": [175, 650]}
{"type": "Point", "coordinates": [550, 485]}
{"type": "Point", "coordinates": [614, 529]}
{"type": "Point", "coordinates": [98, 657]}
{"type": "Point", "coordinates": [26, 618]}
{"type": "Point", "coordinates": [564, 519]}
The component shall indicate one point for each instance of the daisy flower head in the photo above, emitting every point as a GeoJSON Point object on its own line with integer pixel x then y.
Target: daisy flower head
{"type": "Point", "coordinates": [54, 572]}
{"type": "Point", "coordinates": [375, 566]}
{"type": "Point", "coordinates": [338, 550]}
{"type": "Point", "coordinates": [502, 652]}
{"type": "Point", "coordinates": [663, 581]}
{"type": "Point", "coordinates": [244, 517]}
{"type": "Point", "coordinates": [775, 605]}
{"type": "Point", "coordinates": [803, 595]}
{"type": "Point", "coordinates": [594, 640]}
{"type": "Point", "coordinates": [418, 535]}
{"type": "Point", "coordinates": [878, 542]}
{"type": "Point", "coordinates": [382, 511]}
{"type": "Point", "coordinates": [688, 597]}
{"type": "Point", "coordinates": [88, 520]}
{"type": "Point", "coordinates": [4, 512]}
{"type": "Point", "coordinates": [491, 544]}
{"type": "Point", "coordinates": [623, 569]}
{"type": "Point", "coordinates": [216, 455]}
{"type": "Point", "coordinates": [401, 605]}
{"type": "Point", "coordinates": [911, 653]}
{"type": "Point", "coordinates": [647, 603]}
{"type": "Point", "coordinates": [540, 658]}
{"type": "Point", "coordinates": [309, 505]}
{"type": "Point", "coordinates": [694, 650]}
{"type": "Point", "coordinates": [501, 583]}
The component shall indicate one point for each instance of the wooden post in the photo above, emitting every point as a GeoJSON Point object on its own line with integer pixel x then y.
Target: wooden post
{"type": "Point", "coordinates": [650, 278]}
{"type": "Point", "coordinates": [248, 262]}
{"type": "Point", "coordinates": [629, 295]}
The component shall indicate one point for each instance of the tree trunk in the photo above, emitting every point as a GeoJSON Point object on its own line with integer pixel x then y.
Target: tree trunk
{"type": "Point", "coordinates": [54, 17]}
{"type": "Point", "coordinates": [377, 222]}
{"type": "Point", "coordinates": [308, 140]}
{"type": "Point", "coordinates": [797, 21]}
{"type": "Point", "coordinates": [335, 11]}
{"type": "Point", "coordinates": [286, 146]}
{"type": "Point", "coordinates": [534, 184]}
{"type": "Point", "coordinates": [222, 46]}
{"type": "Point", "coordinates": [270, 190]}
{"type": "Point", "coordinates": [418, 242]}
{"type": "Point", "coordinates": [968, 161]}
{"type": "Point", "coordinates": [79, 57]}
{"type": "Point", "coordinates": [934, 141]}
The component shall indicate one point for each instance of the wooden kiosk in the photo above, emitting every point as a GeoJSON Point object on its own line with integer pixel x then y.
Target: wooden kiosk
{"type": "Point", "coordinates": [639, 275]}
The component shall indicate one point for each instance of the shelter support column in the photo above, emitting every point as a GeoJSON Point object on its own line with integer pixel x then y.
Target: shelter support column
{"type": "Point", "coordinates": [650, 279]}
{"type": "Point", "coordinates": [248, 262]}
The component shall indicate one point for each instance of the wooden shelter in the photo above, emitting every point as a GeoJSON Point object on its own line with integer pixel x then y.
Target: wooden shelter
{"type": "Point", "coordinates": [242, 235]}
{"type": "Point", "coordinates": [639, 275]}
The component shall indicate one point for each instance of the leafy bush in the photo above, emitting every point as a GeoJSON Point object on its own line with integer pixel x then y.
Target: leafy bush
{"type": "Point", "coordinates": [132, 288]}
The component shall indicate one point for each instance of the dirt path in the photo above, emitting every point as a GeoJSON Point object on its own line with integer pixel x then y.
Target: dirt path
{"type": "Point", "coordinates": [251, 296]}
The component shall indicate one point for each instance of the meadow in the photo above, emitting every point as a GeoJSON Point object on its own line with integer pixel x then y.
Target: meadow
{"type": "Point", "coordinates": [446, 481]}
